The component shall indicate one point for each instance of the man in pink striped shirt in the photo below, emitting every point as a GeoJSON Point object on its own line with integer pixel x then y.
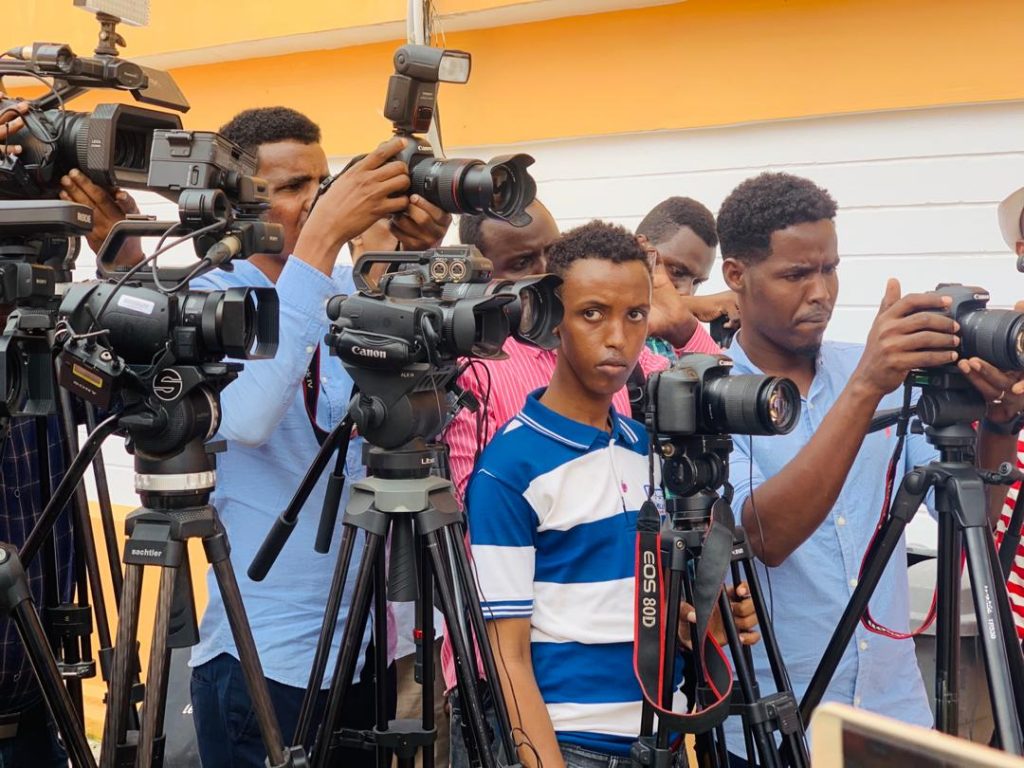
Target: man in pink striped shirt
{"type": "Point", "coordinates": [501, 386]}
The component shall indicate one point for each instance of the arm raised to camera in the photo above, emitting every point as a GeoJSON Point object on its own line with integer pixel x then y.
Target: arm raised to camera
{"type": "Point", "coordinates": [254, 404]}
{"type": "Point", "coordinates": [374, 187]}
{"type": "Point", "coordinates": [792, 504]}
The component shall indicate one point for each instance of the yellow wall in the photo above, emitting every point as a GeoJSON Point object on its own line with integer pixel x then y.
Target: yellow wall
{"type": "Point", "coordinates": [699, 63]}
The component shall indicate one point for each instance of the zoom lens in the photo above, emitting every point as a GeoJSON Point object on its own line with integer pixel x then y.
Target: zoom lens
{"type": "Point", "coordinates": [994, 335]}
{"type": "Point", "coordinates": [751, 405]}
{"type": "Point", "coordinates": [501, 188]}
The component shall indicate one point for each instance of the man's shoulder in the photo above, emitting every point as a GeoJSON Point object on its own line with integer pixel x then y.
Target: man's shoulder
{"type": "Point", "coordinates": [519, 453]}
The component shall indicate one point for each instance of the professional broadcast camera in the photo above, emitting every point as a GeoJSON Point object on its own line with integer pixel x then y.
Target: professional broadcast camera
{"type": "Point", "coordinates": [111, 145]}
{"type": "Point", "coordinates": [501, 188]}
{"type": "Point", "coordinates": [400, 339]}
{"type": "Point", "coordinates": [38, 245]}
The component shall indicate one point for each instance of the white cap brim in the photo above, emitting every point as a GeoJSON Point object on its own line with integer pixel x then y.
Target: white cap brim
{"type": "Point", "coordinates": [1009, 218]}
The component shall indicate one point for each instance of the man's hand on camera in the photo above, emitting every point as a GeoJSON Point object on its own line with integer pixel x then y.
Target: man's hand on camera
{"type": "Point", "coordinates": [420, 226]}
{"type": "Point", "coordinates": [743, 613]}
{"type": "Point", "coordinates": [715, 305]}
{"type": "Point", "coordinates": [909, 332]}
{"type": "Point", "coordinates": [371, 189]}
{"type": "Point", "coordinates": [109, 206]}
{"type": "Point", "coordinates": [670, 317]}
{"type": "Point", "coordinates": [1003, 390]}
{"type": "Point", "coordinates": [11, 121]}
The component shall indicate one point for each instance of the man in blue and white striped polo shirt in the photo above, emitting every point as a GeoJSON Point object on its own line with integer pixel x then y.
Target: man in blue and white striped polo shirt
{"type": "Point", "coordinates": [552, 512]}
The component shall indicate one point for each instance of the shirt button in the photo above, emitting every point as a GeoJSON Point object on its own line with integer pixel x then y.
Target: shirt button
{"type": "Point", "coordinates": [840, 521]}
{"type": "Point", "coordinates": [853, 582]}
{"type": "Point", "coordinates": [856, 701]}
{"type": "Point", "coordinates": [310, 350]}
{"type": "Point", "coordinates": [863, 645]}
{"type": "Point", "coordinates": [323, 379]}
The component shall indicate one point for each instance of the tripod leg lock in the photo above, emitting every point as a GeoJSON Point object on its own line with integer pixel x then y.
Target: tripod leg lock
{"type": "Point", "coordinates": [294, 757]}
{"type": "Point", "coordinates": [645, 753]}
{"type": "Point", "coordinates": [779, 710]}
{"type": "Point", "coordinates": [405, 737]}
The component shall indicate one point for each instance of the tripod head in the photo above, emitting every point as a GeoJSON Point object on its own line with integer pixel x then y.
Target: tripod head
{"type": "Point", "coordinates": [946, 411]}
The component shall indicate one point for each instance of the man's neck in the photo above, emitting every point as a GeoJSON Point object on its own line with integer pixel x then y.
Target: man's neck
{"type": "Point", "coordinates": [567, 397]}
{"type": "Point", "coordinates": [778, 361]}
{"type": "Point", "coordinates": [269, 264]}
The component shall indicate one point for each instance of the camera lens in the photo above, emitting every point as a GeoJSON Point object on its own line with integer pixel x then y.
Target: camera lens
{"type": "Point", "coordinates": [751, 405]}
{"type": "Point", "coordinates": [994, 335]}
{"type": "Point", "coordinates": [502, 182]}
{"type": "Point", "coordinates": [501, 188]}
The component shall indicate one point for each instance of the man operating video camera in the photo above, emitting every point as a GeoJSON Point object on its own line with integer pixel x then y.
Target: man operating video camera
{"type": "Point", "coordinates": [811, 499]}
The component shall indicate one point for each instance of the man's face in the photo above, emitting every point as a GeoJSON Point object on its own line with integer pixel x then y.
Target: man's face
{"type": "Point", "coordinates": [293, 172]}
{"type": "Point", "coordinates": [518, 252]}
{"type": "Point", "coordinates": [605, 323]}
{"type": "Point", "coordinates": [789, 296]}
{"type": "Point", "coordinates": [687, 260]}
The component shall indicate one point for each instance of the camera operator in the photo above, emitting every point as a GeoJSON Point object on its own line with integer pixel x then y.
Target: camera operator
{"type": "Point", "coordinates": [28, 735]}
{"type": "Point", "coordinates": [679, 235]}
{"type": "Point", "coordinates": [811, 499]}
{"type": "Point", "coordinates": [552, 507]}
{"type": "Point", "coordinates": [274, 415]}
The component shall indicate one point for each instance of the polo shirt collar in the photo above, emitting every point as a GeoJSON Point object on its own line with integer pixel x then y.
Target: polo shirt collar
{"type": "Point", "coordinates": [574, 434]}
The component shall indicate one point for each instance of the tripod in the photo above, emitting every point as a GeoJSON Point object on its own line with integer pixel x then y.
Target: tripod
{"type": "Point", "coordinates": [947, 408]}
{"type": "Point", "coordinates": [693, 468]}
{"type": "Point", "coordinates": [402, 500]}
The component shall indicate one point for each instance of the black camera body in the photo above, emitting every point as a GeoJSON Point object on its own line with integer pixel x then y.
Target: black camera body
{"type": "Point", "coordinates": [38, 245]}
{"type": "Point", "coordinates": [698, 395]}
{"type": "Point", "coordinates": [402, 335]}
{"type": "Point", "coordinates": [501, 188]}
{"type": "Point", "coordinates": [994, 335]}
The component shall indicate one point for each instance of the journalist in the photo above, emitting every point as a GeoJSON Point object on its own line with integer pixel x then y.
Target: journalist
{"type": "Point", "coordinates": [679, 235]}
{"type": "Point", "coordinates": [273, 416]}
{"type": "Point", "coordinates": [28, 735]}
{"type": "Point", "coordinates": [811, 499]}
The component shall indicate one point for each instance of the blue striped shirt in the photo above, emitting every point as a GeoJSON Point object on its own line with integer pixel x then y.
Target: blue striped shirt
{"type": "Point", "coordinates": [552, 516]}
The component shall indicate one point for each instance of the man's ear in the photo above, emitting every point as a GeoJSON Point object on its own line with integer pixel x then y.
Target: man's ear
{"type": "Point", "coordinates": [734, 272]}
{"type": "Point", "coordinates": [1020, 247]}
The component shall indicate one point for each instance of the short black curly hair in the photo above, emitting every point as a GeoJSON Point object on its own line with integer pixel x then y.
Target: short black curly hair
{"type": "Point", "coordinates": [674, 213]}
{"type": "Point", "coordinates": [766, 204]}
{"type": "Point", "coordinates": [471, 226]}
{"type": "Point", "coordinates": [595, 240]}
{"type": "Point", "coordinates": [266, 125]}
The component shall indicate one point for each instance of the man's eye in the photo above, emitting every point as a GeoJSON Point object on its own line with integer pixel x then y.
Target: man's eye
{"type": "Point", "coordinates": [591, 314]}
{"type": "Point", "coordinates": [637, 314]}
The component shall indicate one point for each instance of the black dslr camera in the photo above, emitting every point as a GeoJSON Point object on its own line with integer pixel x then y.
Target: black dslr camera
{"type": "Point", "coordinates": [501, 188]}
{"type": "Point", "coordinates": [694, 407]}
{"type": "Point", "coordinates": [994, 335]}
{"type": "Point", "coordinates": [401, 336]}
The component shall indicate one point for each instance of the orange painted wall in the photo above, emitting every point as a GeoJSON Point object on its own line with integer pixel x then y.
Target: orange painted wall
{"type": "Point", "coordinates": [698, 63]}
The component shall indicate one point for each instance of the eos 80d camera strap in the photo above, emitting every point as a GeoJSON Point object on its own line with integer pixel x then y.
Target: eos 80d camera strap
{"type": "Point", "coordinates": [649, 646]}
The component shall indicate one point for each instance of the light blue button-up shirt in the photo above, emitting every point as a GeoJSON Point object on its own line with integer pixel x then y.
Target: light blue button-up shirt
{"type": "Point", "coordinates": [813, 586]}
{"type": "Point", "coordinates": [270, 445]}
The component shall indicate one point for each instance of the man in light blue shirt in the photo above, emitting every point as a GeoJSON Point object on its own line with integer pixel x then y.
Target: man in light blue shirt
{"type": "Point", "coordinates": [810, 500]}
{"type": "Point", "coordinates": [271, 428]}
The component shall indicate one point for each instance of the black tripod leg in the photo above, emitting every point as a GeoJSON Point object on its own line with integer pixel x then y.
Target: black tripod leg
{"type": "Point", "coordinates": [1014, 653]}
{"type": "Point", "coordinates": [456, 536]}
{"type": "Point", "coordinates": [465, 667]}
{"type": "Point", "coordinates": [380, 657]}
{"type": "Point", "coordinates": [218, 554]}
{"type": "Point", "coordinates": [15, 600]}
{"type": "Point", "coordinates": [908, 499]}
{"type": "Point", "coordinates": [323, 646]}
{"type": "Point", "coordinates": [122, 669]}
{"type": "Point", "coordinates": [980, 558]}
{"type": "Point", "coordinates": [106, 509]}
{"type": "Point", "coordinates": [947, 624]}
{"type": "Point", "coordinates": [351, 641]}
{"type": "Point", "coordinates": [156, 678]}
{"type": "Point", "coordinates": [425, 607]}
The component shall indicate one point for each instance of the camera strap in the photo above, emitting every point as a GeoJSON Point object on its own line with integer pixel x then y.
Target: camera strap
{"type": "Point", "coordinates": [649, 646]}
{"type": "Point", "coordinates": [636, 388]}
{"type": "Point", "coordinates": [311, 395]}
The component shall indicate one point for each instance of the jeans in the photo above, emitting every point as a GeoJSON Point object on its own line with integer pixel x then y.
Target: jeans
{"type": "Point", "coordinates": [226, 727]}
{"type": "Point", "coordinates": [36, 743]}
{"type": "Point", "coordinates": [458, 749]}
{"type": "Point", "coordinates": [579, 757]}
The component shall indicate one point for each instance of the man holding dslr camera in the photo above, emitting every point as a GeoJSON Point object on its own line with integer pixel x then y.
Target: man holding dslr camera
{"type": "Point", "coordinates": [811, 500]}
